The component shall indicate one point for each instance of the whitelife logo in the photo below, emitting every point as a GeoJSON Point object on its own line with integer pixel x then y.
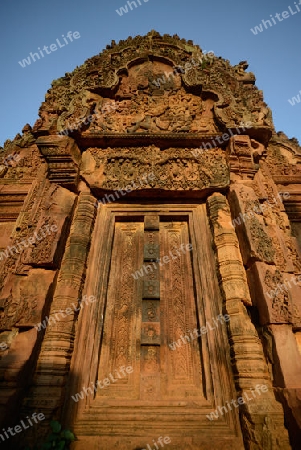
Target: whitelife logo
{"type": "Point", "coordinates": [285, 15]}
{"type": "Point", "coordinates": [198, 332]}
{"type": "Point", "coordinates": [68, 311]}
{"type": "Point", "coordinates": [106, 109]}
{"type": "Point", "coordinates": [161, 440]}
{"type": "Point", "coordinates": [124, 9]}
{"type": "Point", "coordinates": [202, 61]}
{"type": "Point", "coordinates": [259, 388]}
{"type": "Point", "coordinates": [259, 209]}
{"type": "Point", "coordinates": [17, 429]}
{"type": "Point", "coordinates": [53, 48]}
{"type": "Point", "coordinates": [294, 100]}
{"type": "Point", "coordinates": [9, 159]}
{"type": "Point", "coordinates": [27, 242]}
{"type": "Point", "coordinates": [102, 384]}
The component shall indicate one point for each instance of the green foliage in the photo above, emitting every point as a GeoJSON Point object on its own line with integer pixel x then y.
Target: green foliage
{"type": "Point", "coordinates": [58, 439]}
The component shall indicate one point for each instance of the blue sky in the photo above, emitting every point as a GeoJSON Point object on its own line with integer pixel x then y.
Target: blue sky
{"type": "Point", "coordinates": [223, 27]}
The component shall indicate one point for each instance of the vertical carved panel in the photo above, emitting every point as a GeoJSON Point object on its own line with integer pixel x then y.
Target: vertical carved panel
{"type": "Point", "coordinates": [119, 347]}
{"type": "Point", "coordinates": [150, 359]}
{"type": "Point", "coordinates": [183, 369]}
{"type": "Point", "coordinates": [150, 373]}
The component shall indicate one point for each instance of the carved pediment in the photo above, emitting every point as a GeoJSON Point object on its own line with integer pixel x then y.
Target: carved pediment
{"type": "Point", "coordinates": [148, 98]}
{"type": "Point", "coordinates": [153, 84]}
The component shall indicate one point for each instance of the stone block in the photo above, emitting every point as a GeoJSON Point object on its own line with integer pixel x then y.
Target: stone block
{"type": "Point", "coordinates": [254, 241]}
{"type": "Point", "coordinates": [23, 298]}
{"type": "Point", "coordinates": [51, 229]}
{"type": "Point", "coordinates": [13, 365]}
{"type": "Point", "coordinates": [270, 294]}
{"type": "Point", "coordinates": [286, 357]}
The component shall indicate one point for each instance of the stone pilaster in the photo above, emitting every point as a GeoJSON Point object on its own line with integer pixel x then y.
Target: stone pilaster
{"type": "Point", "coordinates": [47, 392]}
{"type": "Point", "coordinates": [262, 418]}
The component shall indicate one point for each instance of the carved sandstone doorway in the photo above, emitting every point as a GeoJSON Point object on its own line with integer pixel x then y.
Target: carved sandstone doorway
{"type": "Point", "coordinates": [147, 271]}
{"type": "Point", "coordinates": [142, 319]}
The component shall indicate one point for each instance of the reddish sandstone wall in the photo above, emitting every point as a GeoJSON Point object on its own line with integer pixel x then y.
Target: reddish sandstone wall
{"type": "Point", "coordinates": [206, 135]}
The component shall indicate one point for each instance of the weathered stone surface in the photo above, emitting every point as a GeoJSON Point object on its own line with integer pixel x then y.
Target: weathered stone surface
{"type": "Point", "coordinates": [15, 369]}
{"type": "Point", "coordinates": [24, 299]}
{"type": "Point", "coordinates": [255, 242]}
{"type": "Point", "coordinates": [54, 359]}
{"type": "Point", "coordinates": [161, 146]}
{"type": "Point", "coordinates": [291, 399]}
{"type": "Point", "coordinates": [51, 228]}
{"type": "Point", "coordinates": [149, 168]}
{"type": "Point", "coordinates": [161, 377]}
{"type": "Point", "coordinates": [26, 291]}
{"type": "Point", "coordinates": [273, 280]}
{"type": "Point", "coordinates": [241, 160]}
{"type": "Point", "coordinates": [18, 355]}
{"type": "Point", "coordinates": [63, 158]}
{"type": "Point", "coordinates": [230, 261]}
{"type": "Point", "coordinates": [262, 424]}
{"type": "Point", "coordinates": [187, 443]}
{"type": "Point", "coordinates": [286, 356]}
{"type": "Point", "coordinates": [173, 109]}
{"type": "Point", "coordinates": [270, 294]}
{"type": "Point", "coordinates": [298, 339]}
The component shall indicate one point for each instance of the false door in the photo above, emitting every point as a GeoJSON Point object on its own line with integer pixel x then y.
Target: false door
{"type": "Point", "coordinates": [151, 304]}
{"type": "Point", "coordinates": [153, 272]}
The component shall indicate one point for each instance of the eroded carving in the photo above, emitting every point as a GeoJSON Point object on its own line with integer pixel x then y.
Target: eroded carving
{"type": "Point", "coordinates": [149, 70]}
{"type": "Point", "coordinates": [171, 169]}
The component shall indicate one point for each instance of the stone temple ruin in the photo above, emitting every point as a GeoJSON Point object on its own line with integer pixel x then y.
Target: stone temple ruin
{"type": "Point", "coordinates": [150, 265]}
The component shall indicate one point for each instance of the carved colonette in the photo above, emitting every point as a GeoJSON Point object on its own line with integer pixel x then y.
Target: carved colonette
{"type": "Point", "coordinates": [261, 419]}
{"type": "Point", "coordinates": [56, 351]}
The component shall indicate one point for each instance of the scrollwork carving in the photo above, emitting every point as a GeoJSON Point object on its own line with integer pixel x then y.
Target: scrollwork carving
{"type": "Point", "coordinates": [173, 169]}
{"type": "Point", "coordinates": [150, 68]}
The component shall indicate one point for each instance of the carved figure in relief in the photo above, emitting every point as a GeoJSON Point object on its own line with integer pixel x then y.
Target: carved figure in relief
{"type": "Point", "coordinates": [172, 168]}
{"type": "Point", "coordinates": [123, 309]}
{"type": "Point", "coordinates": [121, 358]}
{"type": "Point", "coordinates": [125, 90]}
{"type": "Point", "coordinates": [142, 112]}
{"type": "Point", "coordinates": [135, 75]}
{"type": "Point", "coordinates": [151, 288]}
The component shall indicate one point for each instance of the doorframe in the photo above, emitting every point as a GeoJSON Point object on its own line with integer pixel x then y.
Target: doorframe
{"type": "Point", "coordinates": [84, 366]}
